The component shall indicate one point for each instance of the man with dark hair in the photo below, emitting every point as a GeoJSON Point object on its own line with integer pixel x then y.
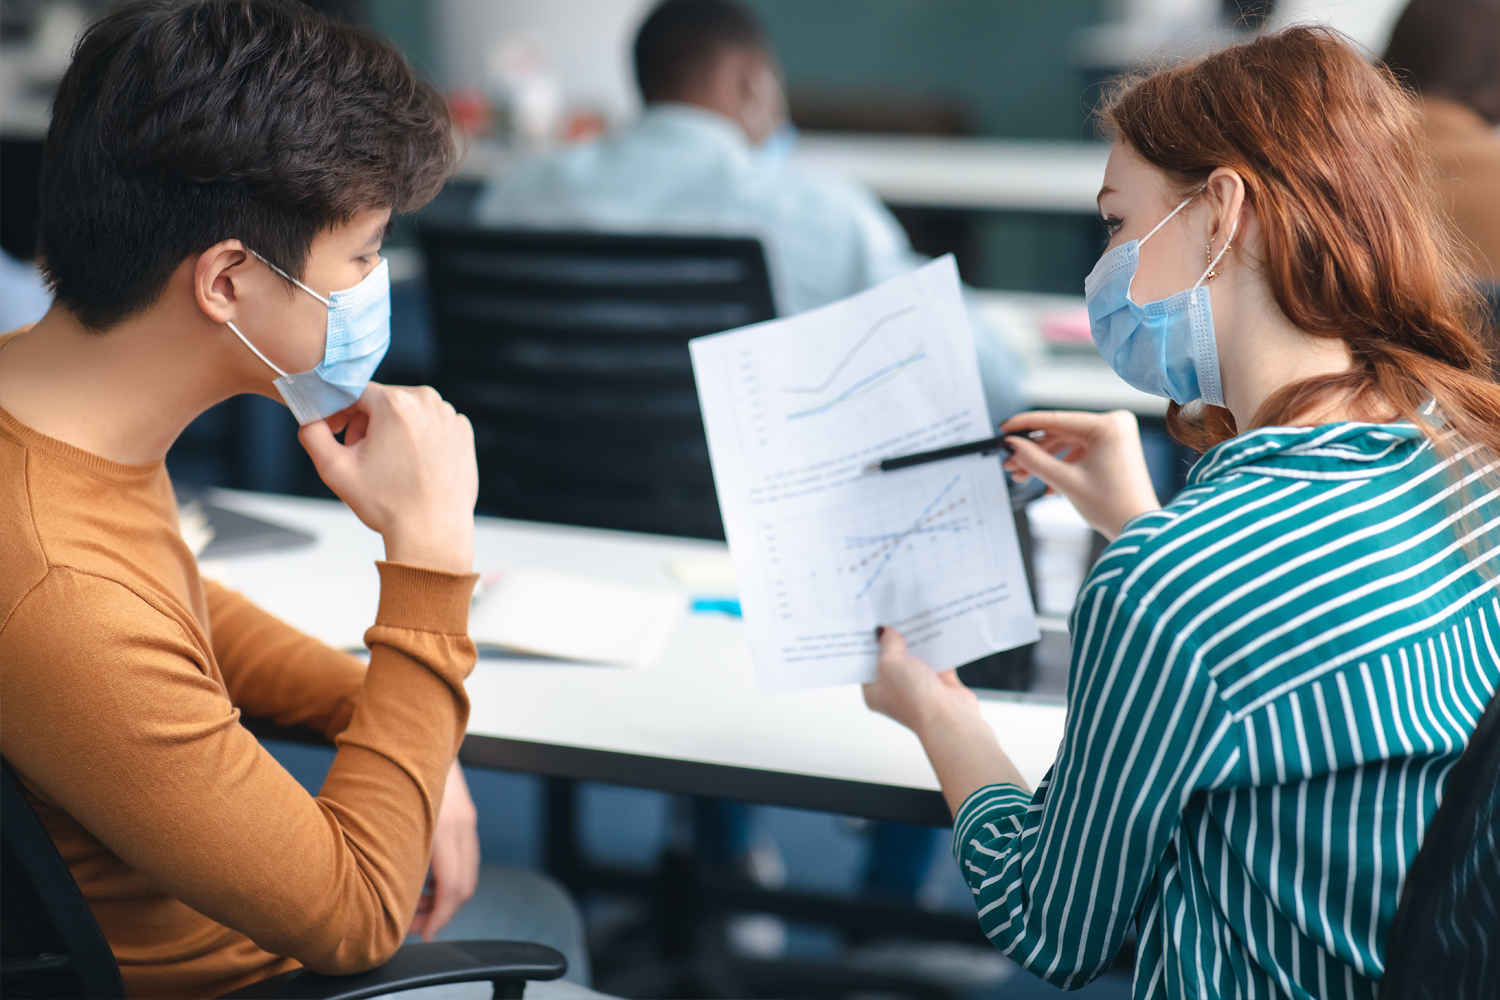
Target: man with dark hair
{"type": "Point", "coordinates": [683, 43]}
{"type": "Point", "coordinates": [708, 156]}
{"type": "Point", "coordinates": [217, 179]}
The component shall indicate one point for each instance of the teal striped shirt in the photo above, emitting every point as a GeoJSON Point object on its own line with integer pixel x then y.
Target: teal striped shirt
{"type": "Point", "coordinates": [1271, 679]}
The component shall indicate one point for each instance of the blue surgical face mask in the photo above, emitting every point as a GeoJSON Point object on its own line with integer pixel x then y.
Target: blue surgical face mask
{"type": "Point", "coordinates": [359, 332]}
{"type": "Point", "coordinates": [1166, 347]}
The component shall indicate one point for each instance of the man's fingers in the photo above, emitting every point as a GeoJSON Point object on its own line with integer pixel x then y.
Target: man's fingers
{"type": "Point", "coordinates": [446, 899]}
{"type": "Point", "coordinates": [324, 449]}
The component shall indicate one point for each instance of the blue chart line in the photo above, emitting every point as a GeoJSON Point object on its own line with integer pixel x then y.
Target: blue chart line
{"type": "Point", "coordinates": [862, 383]}
{"type": "Point", "coordinates": [893, 542]}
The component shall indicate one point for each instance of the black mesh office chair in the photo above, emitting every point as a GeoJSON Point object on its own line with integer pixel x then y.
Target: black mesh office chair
{"type": "Point", "coordinates": [568, 352]}
{"type": "Point", "coordinates": [50, 945]}
{"type": "Point", "coordinates": [1445, 939]}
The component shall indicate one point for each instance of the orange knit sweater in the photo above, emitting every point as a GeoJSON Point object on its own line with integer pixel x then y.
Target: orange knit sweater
{"type": "Point", "coordinates": [122, 680]}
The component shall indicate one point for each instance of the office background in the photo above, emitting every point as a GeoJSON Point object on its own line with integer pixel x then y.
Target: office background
{"type": "Point", "coordinates": [989, 69]}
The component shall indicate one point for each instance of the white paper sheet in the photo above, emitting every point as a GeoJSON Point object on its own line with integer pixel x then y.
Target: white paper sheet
{"type": "Point", "coordinates": [823, 551]}
{"type": "Point", "coordinates": [575, 618]}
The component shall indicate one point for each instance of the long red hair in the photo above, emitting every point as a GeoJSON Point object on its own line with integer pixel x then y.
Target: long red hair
{"type": "Point", "coordinates": [1357, 245]}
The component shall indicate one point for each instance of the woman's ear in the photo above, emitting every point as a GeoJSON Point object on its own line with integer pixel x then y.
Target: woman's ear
{"type": "Point", "coordinates": [1226, 190]}
{"type": "Point", "coordinates": [218, 278]}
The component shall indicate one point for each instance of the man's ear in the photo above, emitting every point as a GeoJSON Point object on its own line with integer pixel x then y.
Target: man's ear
{"type": "Point", "coordinates": [217, 279]}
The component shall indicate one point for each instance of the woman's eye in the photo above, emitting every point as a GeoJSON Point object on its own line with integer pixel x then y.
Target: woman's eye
{"type": "Point", "coordinates": [1112, 225]}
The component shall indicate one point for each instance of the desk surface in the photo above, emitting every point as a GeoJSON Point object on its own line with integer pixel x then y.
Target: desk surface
{"type": "Point", "coordinates": [1018, 175]}
{"type": "Point", "coordinates": [986, 174]}
{"type": "Point", "coordinates": [692, 723]}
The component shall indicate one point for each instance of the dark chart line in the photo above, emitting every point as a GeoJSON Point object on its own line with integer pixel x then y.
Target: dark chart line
{"type": "Point", "coordinates": [922, 525]}
{"type": "Point", "coordinates": [937, 529]}
{"type": "Point", "coordinates": [839, 368]}
{"type": "Point", "coordinates": [889, 369]}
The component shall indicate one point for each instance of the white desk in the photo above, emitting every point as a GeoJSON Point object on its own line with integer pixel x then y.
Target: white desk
{"type": "Point", "coordinates": [986, 174]}
{"type": "Point", "coordinates": [693, 723]}
{"type": "Point", "coordinates": [1019, 175]}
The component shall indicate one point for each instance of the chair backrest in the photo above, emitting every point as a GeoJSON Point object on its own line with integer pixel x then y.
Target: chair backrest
{"type": "Point", "coordinates": [1445, 939]}
{"type": "Point", "coordinates": [568, 352]}
{"type": "Point", "coordinates": [50, 944]}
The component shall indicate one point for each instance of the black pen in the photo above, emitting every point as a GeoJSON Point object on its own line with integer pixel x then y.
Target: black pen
{"type": "Point", "coordinates": [988, 445]}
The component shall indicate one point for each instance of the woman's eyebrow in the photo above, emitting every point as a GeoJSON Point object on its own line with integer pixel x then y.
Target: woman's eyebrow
{"type": "Point", "coordinates": [1106, 189]}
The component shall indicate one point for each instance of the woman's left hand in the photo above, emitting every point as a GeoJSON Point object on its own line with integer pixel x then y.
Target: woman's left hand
{"type": "Point", "coordinates": [907, 690]}
{"type": "Point", "coordinates": [945, 716]}
{"type": "Point", "coordinates": [455, 858]}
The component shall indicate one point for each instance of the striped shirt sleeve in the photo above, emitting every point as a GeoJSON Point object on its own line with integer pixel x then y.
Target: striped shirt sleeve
{"type": "Point", "coordinates": [1057, 876]}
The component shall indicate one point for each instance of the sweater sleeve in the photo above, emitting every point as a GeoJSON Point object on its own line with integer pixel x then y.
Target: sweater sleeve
{"type": "Point", "coordinates": [275, 672]}
{"type": "Point", "coordinates": [117, 720]}
{"type": "Point", "coordinates": [1058, 875]}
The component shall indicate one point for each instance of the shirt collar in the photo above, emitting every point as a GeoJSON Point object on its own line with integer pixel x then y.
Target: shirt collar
{"type": "Point", "coordinates": [696, 124]}
{"type": "Point", "coordinates": [1348, 450]}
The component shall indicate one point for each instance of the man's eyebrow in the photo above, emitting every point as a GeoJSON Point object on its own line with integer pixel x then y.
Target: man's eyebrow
{"type": "Point", "coordinates": [379, 233]}
{"type": "Point", "coordinates": [1106, 189]}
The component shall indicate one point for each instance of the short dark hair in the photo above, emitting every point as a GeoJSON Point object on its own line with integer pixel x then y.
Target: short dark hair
{"type": "Point", "coordinates": [681, 39]}
{"type": "Point", "coordinates": [181, 123]}
{"type": "Point", "coordinates": [1450, 49]}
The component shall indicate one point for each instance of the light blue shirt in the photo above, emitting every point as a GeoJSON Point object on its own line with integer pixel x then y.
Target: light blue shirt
{"type": "Point", "coordinates": [684, 169]}
{"type": "Point", "coordinates": [24, 296]}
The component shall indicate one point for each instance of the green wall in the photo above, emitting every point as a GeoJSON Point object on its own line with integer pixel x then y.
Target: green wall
{"type": "Point", "coordinates": [1008, 60]}
{"type": "Point", "coordinates": [408, 24]}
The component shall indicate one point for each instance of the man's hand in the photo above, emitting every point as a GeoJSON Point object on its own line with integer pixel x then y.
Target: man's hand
{"type": "Point", "coordinates": [407, 469]}
{"type": "Point", "coordinates": [455, 859]}
{"type": "Point", "coordinates": [1093, 459]}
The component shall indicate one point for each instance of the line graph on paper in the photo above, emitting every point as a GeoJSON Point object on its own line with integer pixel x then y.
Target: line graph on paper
{"type": "Point", "coordinates": [823, 387]}
{"type": "Point", "coordinates": [881, 549]}
{"type": "Point", "coordinates": [932, 526]}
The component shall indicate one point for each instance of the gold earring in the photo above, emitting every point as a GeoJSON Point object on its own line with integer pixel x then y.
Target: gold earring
{"type": "Point", "coordinates": [1208, 260]}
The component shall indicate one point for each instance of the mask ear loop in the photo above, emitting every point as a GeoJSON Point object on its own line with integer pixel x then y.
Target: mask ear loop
{"type": "Point", "coordinates": [293, 280]}
{"type": "Point", "coordinates": [1180, 206]}
{"type": "Point", "coordinates": [1142, 241]}
{"type": "Point", "coordinates": [246, 340]}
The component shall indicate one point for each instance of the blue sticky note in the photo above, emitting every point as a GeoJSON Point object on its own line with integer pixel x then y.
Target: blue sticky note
{"type": "Point", "coordinates": [723, 605]}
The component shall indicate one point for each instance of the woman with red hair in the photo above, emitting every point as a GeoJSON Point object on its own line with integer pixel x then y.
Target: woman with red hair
{"type": "Point", "coordinates": [1273, 674]}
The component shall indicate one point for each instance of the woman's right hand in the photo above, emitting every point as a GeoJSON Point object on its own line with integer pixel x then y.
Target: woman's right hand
{"type": "Point", "coordinates": [1103, 472]}
{"type": "Point", "coordinates": [406, 467]}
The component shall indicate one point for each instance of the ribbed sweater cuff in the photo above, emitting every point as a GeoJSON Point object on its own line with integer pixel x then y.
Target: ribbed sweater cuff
{"type": "Point", "coordinates": [424, 600]}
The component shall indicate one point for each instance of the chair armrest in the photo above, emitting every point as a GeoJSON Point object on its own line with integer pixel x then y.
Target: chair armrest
{"type": "Point", "coordinates": [507, 964]}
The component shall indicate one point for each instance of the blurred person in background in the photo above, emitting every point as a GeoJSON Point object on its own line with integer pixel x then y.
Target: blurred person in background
{"type": "Point", "coordinates": [1449, 52]}
{"type": "Point", "coordinates": [709, 155]}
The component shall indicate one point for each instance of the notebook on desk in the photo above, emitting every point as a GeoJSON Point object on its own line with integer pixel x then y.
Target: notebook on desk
{"type": "Point", "coordinates": [214, 532]}
{"type": "Point", "coordinates": [543, 613]}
